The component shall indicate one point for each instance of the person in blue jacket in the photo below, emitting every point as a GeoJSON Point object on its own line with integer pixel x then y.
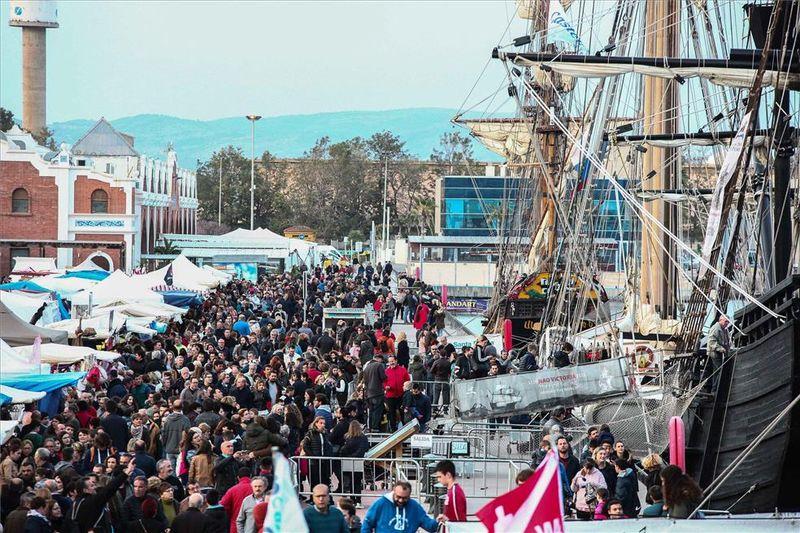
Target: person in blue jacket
{"type": "Point", "coordinates": [396, 512]}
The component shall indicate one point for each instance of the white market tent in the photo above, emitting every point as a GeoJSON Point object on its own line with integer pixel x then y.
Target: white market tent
{"type": "Point", "coordinates": [34, 265]}
{"type": "Point", "coordinates": [13, 362]}
{"type": "Point", "coordinates": [66, 287]}
{"type": "Point", "coordinates": [7, 428]}
{"type": "Point", "coordinates": [21, 396]}
{"type": "Point", "coordinates": [185, 275]}
{"type": "Point", "coordinates": [101, 325]}
{"type": "Point", "coordinates": [26, 306]}
{"type": "Point", "coordinates": [17, 332]}
{"type": "Point", "coordinates": [64, 354]}
{"type": "Point", "coordinates": [117, 287]}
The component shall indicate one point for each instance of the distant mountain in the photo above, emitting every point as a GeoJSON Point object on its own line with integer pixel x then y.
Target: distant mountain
{"type": "Point", "coordinates": [283, 136]}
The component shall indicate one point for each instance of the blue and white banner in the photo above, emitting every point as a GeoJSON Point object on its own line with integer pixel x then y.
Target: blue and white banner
{"type": "Point", "coordinates": [284, 512]}
{"type": "Point", "coordinates": [562, 29]}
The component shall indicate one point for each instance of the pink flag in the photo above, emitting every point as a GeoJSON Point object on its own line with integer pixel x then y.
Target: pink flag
{"type": "Point", "coordinates": [36, 354]}
{"type": "Point", "coordinates": [534, 506]}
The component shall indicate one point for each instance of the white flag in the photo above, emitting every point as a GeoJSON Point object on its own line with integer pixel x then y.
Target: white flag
{"type": "Point", "coordinates": [284, 512]}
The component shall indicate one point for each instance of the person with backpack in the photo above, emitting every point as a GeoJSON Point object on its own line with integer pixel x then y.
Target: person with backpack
{"type": "Point", "coordinates": [90, 511]}
{"type": "Point", "coordinates": [585, 485]}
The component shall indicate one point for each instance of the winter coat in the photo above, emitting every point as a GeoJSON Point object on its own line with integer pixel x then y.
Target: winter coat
{"type": "Point", "coordinates": [89, 509]}
{"type": "Point", "coordinates": [172, 429]}
{"type": "Point", "coordinates": [316, 444]}
{"type": "Point", "coordinates": [403, 353]}
{"type": "Point", "coordinates": [579, 483]}
{"type": "Point", "coordinates": [217, 519]}
{"type": "Point", "coordinates": [354, 447]}
{"type": "Point", "coordinates": [395, 379]}
{"type": "Point", "coordinates": [627, 491]}
{"type": "Point", "coordinates": [418, 372]}
{"type": "Point", "coordinates": [257, 438]}
{"type": "Point", "coordinates": [374, 378]}
{"type": "Point", "coordinates": [201, 470]}
{"type": "Point", "coordinates": [233, 498]}
{"type": "Point", "coordinates": [225, 470]}
{"type": "Point", "coordinates": [421, 316]}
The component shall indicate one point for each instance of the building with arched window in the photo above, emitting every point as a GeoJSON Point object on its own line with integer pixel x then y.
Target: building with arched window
{"type": "Point", "coordinates": [101, 190]}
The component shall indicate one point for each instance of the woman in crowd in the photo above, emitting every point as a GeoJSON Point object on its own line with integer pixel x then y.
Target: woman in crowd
{"type": "Point", "coordinates": [584, 486]}
{"type": "Point", "coordinates": [356, 445]}
{"type": "Point", "coordinates": [681, 493]}
{"type": "Point", "coordinates": [317, 444]}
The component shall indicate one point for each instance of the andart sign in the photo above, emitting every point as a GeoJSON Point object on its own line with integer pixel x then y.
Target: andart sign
{"type": "Point", "coordinates": [467, 305]}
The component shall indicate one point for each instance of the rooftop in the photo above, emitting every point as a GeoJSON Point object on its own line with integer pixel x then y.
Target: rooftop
{"type": "Point", "coordinates": [103, 140]}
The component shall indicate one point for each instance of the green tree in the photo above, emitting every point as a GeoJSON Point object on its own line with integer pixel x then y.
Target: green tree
{"type": "Point", "coordinates": [45, 138]}
{"type": "Point", "coordinates": [6, 119]}
{"type": "Point", "coordinates": [454, 154]}
{"type": "Point", "coordinates": [269, 194]}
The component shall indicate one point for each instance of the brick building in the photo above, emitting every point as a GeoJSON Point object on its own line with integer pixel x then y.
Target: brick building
{"type": "Point", "coordinates": [101, 190]}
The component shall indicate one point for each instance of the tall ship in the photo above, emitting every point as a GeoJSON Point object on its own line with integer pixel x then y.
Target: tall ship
{"type": "Point", "coordinates": [655, 147]}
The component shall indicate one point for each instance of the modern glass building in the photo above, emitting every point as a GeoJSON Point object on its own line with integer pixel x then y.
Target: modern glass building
{"type": "Point", "coordinates": [475, 206]}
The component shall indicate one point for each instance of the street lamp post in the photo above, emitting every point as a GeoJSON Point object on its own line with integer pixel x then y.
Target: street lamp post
{"type": "Point", "coordinates": [252, 119]}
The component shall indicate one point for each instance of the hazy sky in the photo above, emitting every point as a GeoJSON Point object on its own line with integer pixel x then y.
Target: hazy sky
{"type": "Point", "coordinates": [211, 59]}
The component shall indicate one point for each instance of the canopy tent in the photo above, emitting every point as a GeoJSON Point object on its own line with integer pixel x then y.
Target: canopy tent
{"type": "Point", "coordinates": [67, 287]}
{"type": "Point", "coordinates": [27, 306]}
{"type": "Point", "coordinates": [17, 332]}
{"type": "Point", "coordinates": [32, 287]}
{"type": "Point", "coordinates": [100, 324]}
{"type": "Point", "coordinates": [7, 428]}
{"type": "Point", "coordinates": [51, 384]}
{"type": "Point", "coordinates": [59, 354]}
{"type": "Point", "coordinates": [43, 383]}
{"type": "Point", "coordinates": [34, 265]}
{"type": "Point", "coordinates": [87, 265]}
{"type": "Point", "coordinates": [94, 275]}
{"type": "Point", "coordinates": [185, 275]}
{"type": "Point", "coordinates": [223, 277]}
{"type": "Point", "coordinates": [12, 395]}
{"type": "Point", "coordinates": [117, 287]}
{"type": "Point", "coordinates": [261, 235]}
{"type": "Point", "coordinates": [182, 299]}
{"type": "Point", "coordinates": [13, 362]}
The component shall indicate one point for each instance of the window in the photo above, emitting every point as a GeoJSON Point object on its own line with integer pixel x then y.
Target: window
{"type": "Point", "coordinates": [17, 252]}
{"type": "Point", "coordinates": [109, 168]}
{"type": "Point", "coordinates": [20, 201]}
{"type": "Point", "coordinates": [99, 201]}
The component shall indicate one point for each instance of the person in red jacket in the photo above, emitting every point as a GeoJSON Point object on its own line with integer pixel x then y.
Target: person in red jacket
{"type": "Point", "coordinates": [232, 501]}
{"type": "Point", "coordinates": [421, 315]}
{"type": "Point", "coordinates": [455, 505]}
{"type": "Point", "coordinates": [396, 377]}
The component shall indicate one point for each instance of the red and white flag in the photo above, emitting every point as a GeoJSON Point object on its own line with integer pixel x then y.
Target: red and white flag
{"type": "Point", "coordinates": [533, 507]}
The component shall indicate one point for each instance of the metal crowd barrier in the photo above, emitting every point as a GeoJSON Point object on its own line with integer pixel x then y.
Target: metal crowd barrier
{"type": "Point", "coordinates": [440, 444]}
{"type": "Point", "coordinates": [354, 477]}
{"type": "Point", "coordinates": [438, 392]}
{"type": "Point", "coordinates": [480, 478]}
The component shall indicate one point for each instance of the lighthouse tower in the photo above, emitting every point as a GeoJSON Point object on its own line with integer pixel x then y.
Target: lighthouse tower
{"type": "Point", "coordinates": [34, 17]}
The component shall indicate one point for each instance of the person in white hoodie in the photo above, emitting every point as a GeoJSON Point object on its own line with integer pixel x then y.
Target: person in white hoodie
{"type": "Point", "coordinates": [396, 512]}
{"type": "Point", "coordinates": [585, 485]}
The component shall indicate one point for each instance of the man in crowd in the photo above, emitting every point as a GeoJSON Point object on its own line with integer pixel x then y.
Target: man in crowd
{"type": "Point", "coordinates": [320, 516]}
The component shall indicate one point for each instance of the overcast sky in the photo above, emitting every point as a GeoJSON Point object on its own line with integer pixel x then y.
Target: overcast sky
{"type": "Point", "coordinates": [206, 60]}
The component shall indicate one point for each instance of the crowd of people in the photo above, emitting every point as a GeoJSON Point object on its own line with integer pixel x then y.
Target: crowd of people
{"type": "Point", "coordinates": [602, 481]}
{"type": "Point", "coordinates": [178, 433]}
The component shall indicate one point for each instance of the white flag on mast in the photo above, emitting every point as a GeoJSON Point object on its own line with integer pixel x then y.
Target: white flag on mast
{"type": "Point", "coordinates": [284, 512]}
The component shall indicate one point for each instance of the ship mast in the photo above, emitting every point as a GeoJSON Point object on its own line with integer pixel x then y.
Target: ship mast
{"type": "Point", "coordinates": [660, 165]}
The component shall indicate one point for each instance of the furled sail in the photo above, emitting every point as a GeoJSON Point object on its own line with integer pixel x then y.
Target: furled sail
{"type": "Point", "coordinates": [507, 137]}
{"type": "Point", "coordinates": [718, 71]}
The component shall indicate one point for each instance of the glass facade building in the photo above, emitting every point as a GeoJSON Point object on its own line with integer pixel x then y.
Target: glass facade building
{"type": "Point", "coordinates": [473, 206]}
